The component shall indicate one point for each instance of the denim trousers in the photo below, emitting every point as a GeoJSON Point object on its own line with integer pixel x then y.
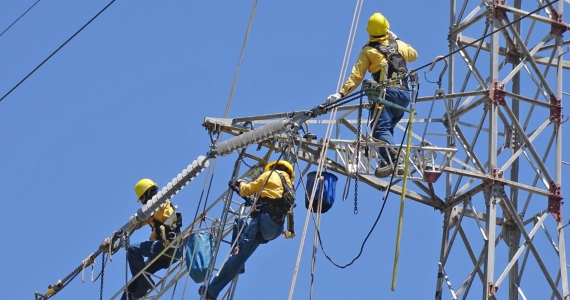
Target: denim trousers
{"type": "Point", "coordinates": [136, 254]}
{"type": "Point", "coordinates": [389, 117]}
{"type": "Point", "coordinates": [247, 244]}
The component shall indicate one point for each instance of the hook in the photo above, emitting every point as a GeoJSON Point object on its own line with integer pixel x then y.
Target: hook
{"type": "Point", "coordinates": [442, 71]}
{"type": "Point", "coordinates": [565, 51]}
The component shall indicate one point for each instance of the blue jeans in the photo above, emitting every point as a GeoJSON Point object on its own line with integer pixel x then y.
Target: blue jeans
{"type": "Point", "coordinates": [247, 244]}
{"type": "Point", "coordinates": [388, 119]}
{"type": "Point", "coordinates": [136, 254]}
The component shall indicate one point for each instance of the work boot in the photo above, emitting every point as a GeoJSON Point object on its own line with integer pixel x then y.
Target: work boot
{"type": "Point", "coordinates": [383, 170]}
{"type": "Point", "coordinates": [201, 291]}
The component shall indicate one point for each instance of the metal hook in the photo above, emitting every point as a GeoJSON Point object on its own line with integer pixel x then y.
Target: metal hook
{"type": "Point", "coordinates": [565, 51]}
{"type": "Point", "coordinates": [442, 71]}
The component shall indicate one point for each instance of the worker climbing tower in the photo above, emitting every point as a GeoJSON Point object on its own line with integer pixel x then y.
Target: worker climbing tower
{"type": "Point", "coordinates": [485, 151]}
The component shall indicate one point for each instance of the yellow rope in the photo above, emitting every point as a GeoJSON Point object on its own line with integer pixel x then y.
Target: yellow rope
{"type": "Point", "coordinates": [403, 198]}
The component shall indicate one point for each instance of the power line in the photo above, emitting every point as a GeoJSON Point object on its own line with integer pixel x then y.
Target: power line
{"type": "Point", "coordinates": [56, 50]}
{"type": "Point", "coordinates": [19, 17]}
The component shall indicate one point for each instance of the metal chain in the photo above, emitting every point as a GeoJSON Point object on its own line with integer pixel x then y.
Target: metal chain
{"type": "Point", "coordinates": [246, 164]}
{"type": "Point", "coordinates": [102, 275]}
{"type": "Point", "coordinates": [357, 152]}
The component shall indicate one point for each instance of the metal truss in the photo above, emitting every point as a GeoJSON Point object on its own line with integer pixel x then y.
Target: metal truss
{"type": "Point", "coordinates": [488, 154]}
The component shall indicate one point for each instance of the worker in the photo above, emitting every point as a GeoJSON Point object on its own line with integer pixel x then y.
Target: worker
{"type": "Point", "coordinates": [383, 48]}
{"type": "Point", "coordinates": [165, 224]}
{"type": "Point", "coordinates": [274, 204]}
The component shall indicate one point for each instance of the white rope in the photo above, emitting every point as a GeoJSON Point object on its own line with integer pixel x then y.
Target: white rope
{"type": "Point", "coordinates": [342, 75]}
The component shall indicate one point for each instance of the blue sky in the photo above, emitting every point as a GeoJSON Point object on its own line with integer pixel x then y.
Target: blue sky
{"type": "Point", "coordinates": [126, 98]}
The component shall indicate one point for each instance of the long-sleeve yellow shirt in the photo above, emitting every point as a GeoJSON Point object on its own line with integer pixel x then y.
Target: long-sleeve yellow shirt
{"type": "Point", "coordinates": [372, 60]}
{"type": "Point", "coordinates": [161, 215]}
{"type": "Point", "coordinates": [272, 189]}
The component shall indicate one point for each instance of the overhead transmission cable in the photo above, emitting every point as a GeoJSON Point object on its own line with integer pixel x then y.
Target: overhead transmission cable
{"type": "Point", "coordinates": [18, 19]}
{"type": "Point", "coordinates": [344, 67]}
{"type": "Point", "coordinates": [56, 50]}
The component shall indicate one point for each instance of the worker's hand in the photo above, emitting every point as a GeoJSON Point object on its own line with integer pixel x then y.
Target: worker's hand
{"type": "Point", "coordinates": [333, 98]}
{"type": "Point", "coordinates": [392, 35]}
{"type": "Point", "coordinates": [234, 186]}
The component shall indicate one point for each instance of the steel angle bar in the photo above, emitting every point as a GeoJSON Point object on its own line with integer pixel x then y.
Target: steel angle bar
{"type": "Point", "coordinates": [425, 189]}
{"type": "Point", "coordinates": [470, 64]}
{"type": "Point", "coordinates": [533, 249]}
{"type": "Point", "coordinates": [468, 106]}
{"type": "Point", "coordinates": [528, 143]}
{"type": "Point", "coordinates": [465, 186]}
{"type": "Point", "coordinates": [447, 281]}
{"type": "Point", "coordinates": [529, 100]}
{"type": "Point", "coordinates": [468, 147]}
{"type": "Point", "coordinates": [471, 19]}
{"type": "Point", "coordinates": [523, 147]}
{"type": "Point", "coordinates": [553, 46]}
{"type": "Point", "coordinates": [537, 70]}
{"type": "Point", "coordinates": [481, 230]}
{"type": "Point", "coordinates": [549, 237]}
{"type": "Point", "coordinates": [551, 62]}
{"type": "Point", "coordinates": [467, 283]}
{"type": "Point", "coordinates": [534, 16]}
{"type": "Point", "coordinates": [383, 185]}
{"type": "Point", "coordinates": [524, 187]}
{"type": "Point", "coordinates": [537, 176]}
{"type": "Point", "coordinates": [468, 213]}
{"type": "Point", "coordinates": [451, 96]}
{"type": "Point", "coordinates": [451, 203]}
{"type": "Point", "coordinates": [523, 297]}
{"type": "Point", "coordinates": [520, 250]}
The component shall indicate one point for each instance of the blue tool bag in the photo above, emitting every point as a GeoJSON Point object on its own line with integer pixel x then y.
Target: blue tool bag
{"type": "Point", "coordinates": [328, 194]}
{"type": "Point", "coordinates": [198, 254]}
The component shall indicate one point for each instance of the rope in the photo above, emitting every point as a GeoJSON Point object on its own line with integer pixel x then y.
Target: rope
{"type": "Point", "coordinates": [18, 19]}
{"type": "Point", "coordinates": [325, 145]}
{"type": "Point", "coordinates": [56, 50]}
{"type": "Point", "coordinates": [240, 58]}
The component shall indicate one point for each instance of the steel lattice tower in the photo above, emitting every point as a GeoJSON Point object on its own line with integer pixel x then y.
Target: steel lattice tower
{"type": "Point", "coordinates": [487, 153]}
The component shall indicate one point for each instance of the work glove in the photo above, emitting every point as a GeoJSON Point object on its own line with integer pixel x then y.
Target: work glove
{"type": "Point", "coordinates": [333, 98]}
{"type": "Point", "coordinates": [234, 186]}
{"type": "Point", "coordinates": [392, 35]}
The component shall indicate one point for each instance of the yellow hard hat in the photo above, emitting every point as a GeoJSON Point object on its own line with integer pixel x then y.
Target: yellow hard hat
{"type": "Point", "coordinates": [142, 186]}
{"type": "Point", "coordinates": [377, 25]}
{"type": "Point", "coordinates": [283, 163]}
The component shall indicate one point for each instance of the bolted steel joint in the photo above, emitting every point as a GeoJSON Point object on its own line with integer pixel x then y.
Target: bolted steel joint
{"type": "Point", "coordinates": [555, 109]}
{"type": "Point", "coordinates": [557, 27]}
{"type": "Point", "coordinates": [496, 92]}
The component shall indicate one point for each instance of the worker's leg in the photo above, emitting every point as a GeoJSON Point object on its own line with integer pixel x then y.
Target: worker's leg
{"type": "Point", "coordinates": [269, 229]}
{"type": "Point", "coordinates": [389, 117]}
{"type": "Point", "coordinates": [246, 246]}
{"type": "Point", "coordinates": [136, 254]}
{"type": "Point", "coordinates": [239, 227]}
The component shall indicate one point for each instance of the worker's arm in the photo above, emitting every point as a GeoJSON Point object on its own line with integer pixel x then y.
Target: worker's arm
{"type": "Point", "coordinates": [407, 51]}
{"type": "Point", "coordinates": [358, 72]}
{"type": "Point", "coordinates": [254, 187]}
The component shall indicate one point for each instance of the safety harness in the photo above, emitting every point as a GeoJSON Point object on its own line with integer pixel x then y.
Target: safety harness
{"type": "Point", "coordinates": [168, 230]}
{"type": "Point", "coordinates": [278, 208]}
{"type": "Point", "coordinates": [396, 63]}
